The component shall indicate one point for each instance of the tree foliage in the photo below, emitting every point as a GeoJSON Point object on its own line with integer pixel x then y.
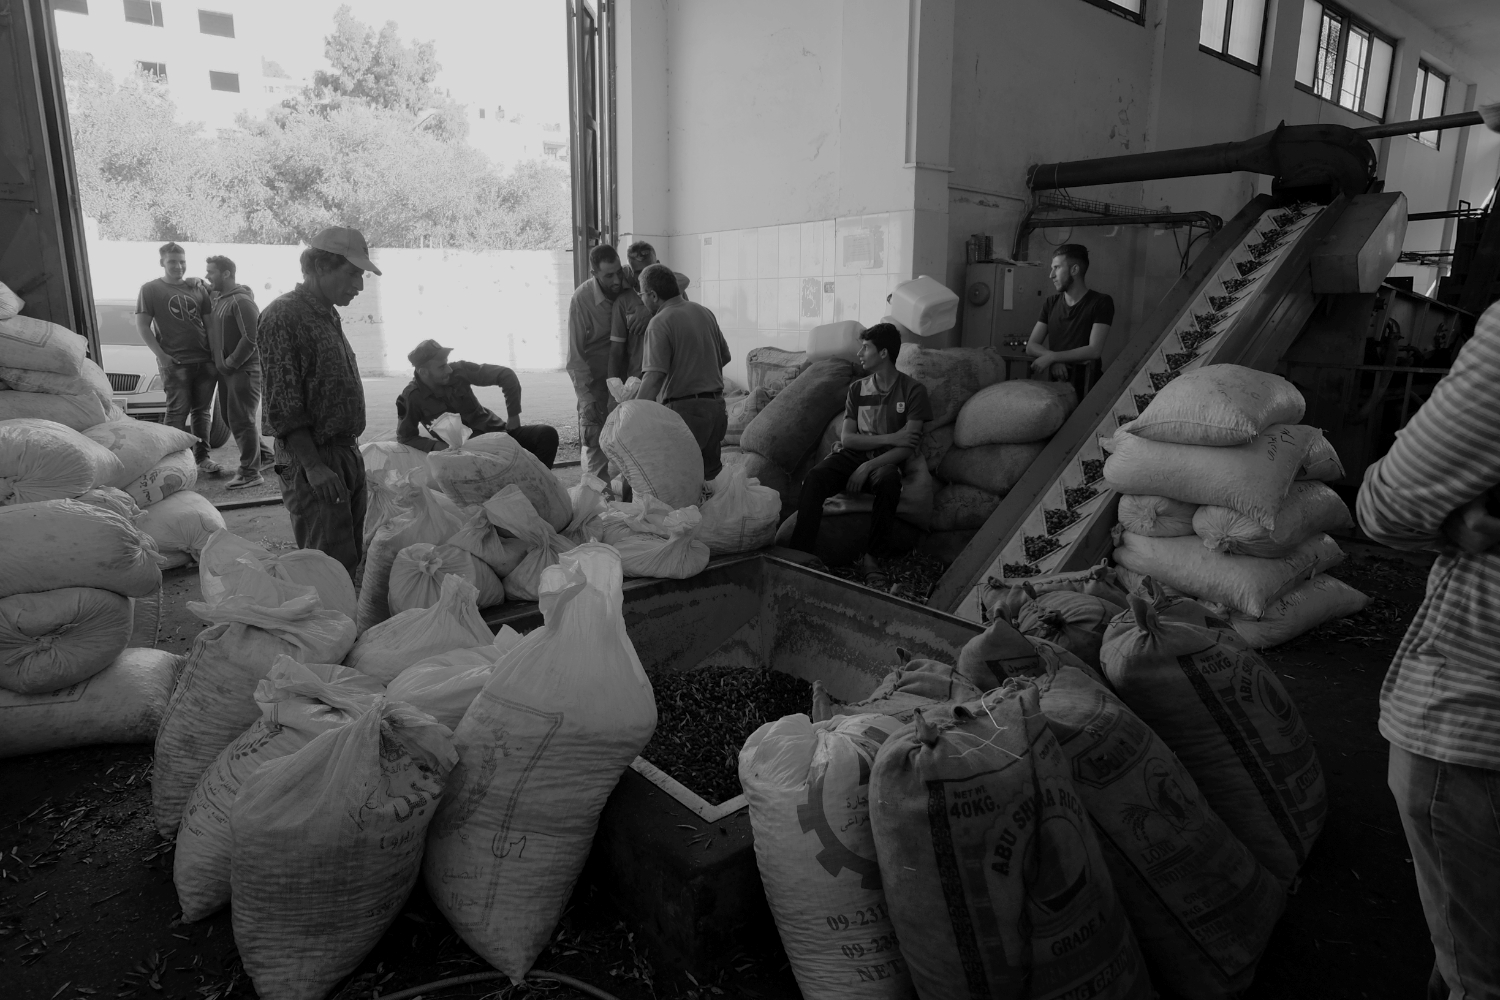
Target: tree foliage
{"type": "Point", "coordinates": [371, 145]}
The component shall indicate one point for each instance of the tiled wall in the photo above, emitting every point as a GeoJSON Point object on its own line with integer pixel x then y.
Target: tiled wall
{"type": "Point", "coordinates": [772, 284]}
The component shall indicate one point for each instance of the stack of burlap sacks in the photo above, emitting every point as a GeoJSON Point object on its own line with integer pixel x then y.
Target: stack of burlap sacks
{"type": "Point", "coordinates": [984, 434]}
{"type": "Point", "coordinates": [1224, 499]}
{"type": "Point", "coordinates": [307, 769]}
{"type": "Point", "coordinates": [999, 825]}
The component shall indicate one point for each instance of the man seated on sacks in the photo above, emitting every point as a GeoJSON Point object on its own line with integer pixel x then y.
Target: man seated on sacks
{"type": "Point", "coordinates": [1068, 339]}
{"type": "Point", "coordinates": [438, 387]}
{"type": "Point", "coordinates": [883, 419]}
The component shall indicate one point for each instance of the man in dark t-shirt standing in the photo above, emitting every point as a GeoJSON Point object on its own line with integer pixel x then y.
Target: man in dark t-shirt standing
{"type": "Point", "coordinates": [170, 318]}
{"type": "Point", "coordinates": [1068, 339]}
{"type": "Point", "coordinates": [883, 419]}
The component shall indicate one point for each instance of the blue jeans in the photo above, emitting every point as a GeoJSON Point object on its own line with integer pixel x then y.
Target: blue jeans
{"type": "Point", "coordinates": [190, 393]}
{"type": "Point", "coordinates": [1451, 814]}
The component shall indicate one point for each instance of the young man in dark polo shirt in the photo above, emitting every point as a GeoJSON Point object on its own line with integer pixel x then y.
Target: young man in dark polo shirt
{"type": "Point", "coordinates": [438, 387]}
{"type": "Point", "coordinates": [1068, 339]}
{"type": "Point", "coordinates": [883, 420]}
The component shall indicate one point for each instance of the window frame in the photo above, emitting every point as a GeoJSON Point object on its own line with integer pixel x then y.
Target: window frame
{"type": "Point", "coordinates": [223, 73]}
{"type": "Point", "coordinates": [158, 73]}
{"type": "Point", "coordinates": [81, 7]}
{"type": "Point", "coordinates": [1350, 22]}
{"type": "Point", "coordinates": [1119, 11]}
{"type": "Point", "coordinates": [203, 30]}
{"type": "Point", "coordinates": [1425, 72]}
{"type": "Point", "coordinates": [1260, 51]}
{"type": "Point", "coordinates": [153, 7]}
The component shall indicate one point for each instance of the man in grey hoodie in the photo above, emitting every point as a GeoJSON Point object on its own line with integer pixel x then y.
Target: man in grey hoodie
{"type": "Point", "coordinates": [232, 340]}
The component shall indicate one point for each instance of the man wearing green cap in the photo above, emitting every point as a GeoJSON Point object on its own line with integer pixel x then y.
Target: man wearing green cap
{"type": "Point", "coordinates": [314, 399]}
{"type": "Point", "coordinates": [439, 386]}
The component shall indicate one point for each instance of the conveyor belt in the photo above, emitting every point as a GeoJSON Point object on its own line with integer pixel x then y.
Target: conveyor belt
{"type": "Point", "coordinates": [1226, 309]}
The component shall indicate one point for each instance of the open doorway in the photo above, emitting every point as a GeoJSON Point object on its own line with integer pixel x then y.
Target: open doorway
{"type": "Point", "coordinates": [442, 132]}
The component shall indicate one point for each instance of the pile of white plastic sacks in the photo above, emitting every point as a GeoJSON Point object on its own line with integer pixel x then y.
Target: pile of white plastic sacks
{"type": "Point", "coordinates": [310, 774]}
{"type": "Point", "coordinates": [1224, 499]}
{"type": "Point", "coordinates": [488, 512]}
{"type": "Point", "coordinates": [61, 436]}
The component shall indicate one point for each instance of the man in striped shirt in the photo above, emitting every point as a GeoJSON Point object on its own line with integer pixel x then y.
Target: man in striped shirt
{"type": "Point", "coordinates": [1440, 705]}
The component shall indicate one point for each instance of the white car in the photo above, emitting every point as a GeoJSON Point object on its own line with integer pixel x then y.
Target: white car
{"type": "Point", "coordinates": [132, 371]}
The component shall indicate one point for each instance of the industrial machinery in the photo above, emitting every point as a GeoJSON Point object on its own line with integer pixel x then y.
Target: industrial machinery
{"type": "Point", "coordinates": [1293, 283]}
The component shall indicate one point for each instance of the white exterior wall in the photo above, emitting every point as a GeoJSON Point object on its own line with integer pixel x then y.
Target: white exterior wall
{"type": "Point", "coordinates": [513, 310]}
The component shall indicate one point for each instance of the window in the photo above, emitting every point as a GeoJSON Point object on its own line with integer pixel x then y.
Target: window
{"type": "Point", "coordinates": [71, 6]}
{"type": "Point", "coordinates": [1427, 101]}
{"type": "Point", "coordinates": [210, 23]}
{"type": "Point", "coordinates": [1131, 10]}
{"type": "Point", "coordinates": [1344, 60]}
{"type": "Point", "coordinates": [1232, 29]}
{"type": "Point", "coordinates": [152, 69]}
{"type": "Point", "coordinates": [481, 112]}
{"type": "Point", "coordinates": [224, 81]}
{"type": "Point", "coordinates": [143, 12]}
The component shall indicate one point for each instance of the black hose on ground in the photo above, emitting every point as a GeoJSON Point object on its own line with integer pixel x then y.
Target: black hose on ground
{"type": "Point", "coordinates": [480, 977]}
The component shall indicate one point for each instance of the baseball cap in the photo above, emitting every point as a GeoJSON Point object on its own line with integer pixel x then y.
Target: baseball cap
{"type": "Point", "coordinates": [347, 243]}
{"type": "Point", "coordinates": [426, 352]}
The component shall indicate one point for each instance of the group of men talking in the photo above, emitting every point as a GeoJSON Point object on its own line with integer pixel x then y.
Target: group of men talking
{"type": "Point", "coordinates": [628, 320]}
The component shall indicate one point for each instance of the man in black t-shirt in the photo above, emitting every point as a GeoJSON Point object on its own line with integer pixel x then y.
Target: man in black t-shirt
{"type": "Point", "coordinates": [170, 316]}
{"type": "Point", "coordinates": [1068, 339]}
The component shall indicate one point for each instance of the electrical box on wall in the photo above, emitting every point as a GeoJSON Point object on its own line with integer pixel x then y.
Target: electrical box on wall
{"type": "Point", "coordinates": [997, 302]}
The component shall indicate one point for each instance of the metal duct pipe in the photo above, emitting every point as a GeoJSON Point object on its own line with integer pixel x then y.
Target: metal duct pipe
{"type": "Point", "coordinates": [1298, 156]}
{"type": "Point", "coordinates": [1459, 120]}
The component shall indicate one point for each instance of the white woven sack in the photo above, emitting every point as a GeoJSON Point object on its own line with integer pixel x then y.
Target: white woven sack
{"type": "Point", "coordinates": [741, 516]}
{"type": "Point", "coordinates": [1219, 406]}
{"type": "Point", "coordinates": [1245, 583]}
{"type": "Point", "coordinates": [512, 513]}
{"type": "Point", "coordinates": [297, 703]}
{"type": "Point", "coordinates": [663, 545]}
{"type": "Point", "coordinates": [935, 444]}
{"type": "Point", "coordinates": [432, 518]}
{"type": "Point", "coordinates": [1313, 603]}
{"type": "Point", "coordinates": [139, 445]}
{"type": "Point", "coordinates": [328, 844]}
{"type": "Point", "coordinates": [653, 448]}
{"type": "Point", "coordinates": [473, 469]}
{"type": "Point", "coordinates": [388, 495]}
{"type": "Point", "coordinates": [1253, 478]}
{"type": "Point", "coordinates": [444, 686]}
{"type": "Point", "coordinates": [44, 460]}
{"type": "Point", "coordinates": [77, 412]}
{"type": "Point", "coordinates": [10, 302]}
{"type": "Point", "coordinates": [89, 380]}
{"type": "Point", "coordinates": [1310, 508]}
{"type": "Point", "coordinates": [60, 637]}
{"type": "Point", "coordinates": [1322, 463]}
{"type": "Point", "coordinates": [214, 701]}
{"type": "Point", "coordinates": [123, 703]}
{"type": "Point", "coordinates": [181, 524]}
{"type": "Point", "coordinates": [113, 500]}
{"type": "Point", "coordinates": [393, 456]}
{"type": "Point", "coordinates": [808, 789]}
{"type": "Point", "coordinates": [230, 566]}
{"type": "Point", "coordinates": [40, 346]}
{"type": "Point", "coordinates": [1156, 517]}
{"type": "Point", "coordinates": [572, 701]}
{"type": "Point", "coordinates": [388, 648]}
{"type": "Point", "coordinates": [951, 375]}
{"type": "Point", "coordinates": [418, 572]}
{"type": "Point", "coordinates": [1019, 411]}
{"type": "Point", "coordinates": [176, 471]}
{"type": "Point", "coordinates": [64, 543]}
